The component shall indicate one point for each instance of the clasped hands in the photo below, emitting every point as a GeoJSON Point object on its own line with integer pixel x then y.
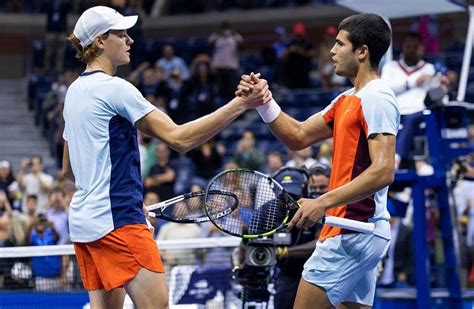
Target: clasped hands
{"type": "Point", "coordinates": [254, 89]}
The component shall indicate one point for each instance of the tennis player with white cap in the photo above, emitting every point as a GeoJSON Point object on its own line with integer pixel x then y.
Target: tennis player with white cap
{"type": "Point", "coordinates": [114, 248]}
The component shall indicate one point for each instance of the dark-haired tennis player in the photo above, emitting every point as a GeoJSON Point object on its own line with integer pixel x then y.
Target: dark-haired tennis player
{"type": "Point", "coordinates": [114, 248]}
{"type": "Point", "coordinates": [364, 122]}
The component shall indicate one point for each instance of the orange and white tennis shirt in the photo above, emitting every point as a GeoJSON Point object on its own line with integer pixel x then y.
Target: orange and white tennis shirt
{"type": "Point", "coordinates": [354, 117]}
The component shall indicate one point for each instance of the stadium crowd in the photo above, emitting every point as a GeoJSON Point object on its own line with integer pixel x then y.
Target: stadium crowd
{"type": "Point", "coordinates": [152, 7]}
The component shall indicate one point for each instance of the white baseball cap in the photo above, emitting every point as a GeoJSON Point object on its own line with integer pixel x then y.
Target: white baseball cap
{"type": "Point", "coordinates": [98, 20]}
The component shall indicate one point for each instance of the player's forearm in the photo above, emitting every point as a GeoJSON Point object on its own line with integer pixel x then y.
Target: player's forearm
{"type": "Point", "coordinates": [194, 133]}
{"type": "Point", "coordinates": [297, 135]}
{"type": "Point", "coordinates": [365, 185]}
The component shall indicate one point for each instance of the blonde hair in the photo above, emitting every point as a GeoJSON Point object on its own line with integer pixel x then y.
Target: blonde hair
{"type": "Point", "coordinates": [88, 53]}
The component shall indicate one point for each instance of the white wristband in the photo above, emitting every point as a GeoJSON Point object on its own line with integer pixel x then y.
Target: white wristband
{"type": "Point", "coordinates": [269, 111]}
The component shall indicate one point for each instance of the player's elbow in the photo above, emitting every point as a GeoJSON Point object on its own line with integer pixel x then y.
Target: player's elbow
{"type": "Point", "coordinates": [293, 146]}
{"type": "Point", "coordinates": [179, 144]}
{"type": "Point", "coordinates": [385, 176]}
{"type": "Point", "coordinates": [180, 147]}
{"type": "Point", "coordinates": [388, 180]}
{"type": "Point", "coordinates": [296, 143]}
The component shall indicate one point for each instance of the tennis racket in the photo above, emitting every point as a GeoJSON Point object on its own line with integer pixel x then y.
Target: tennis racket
{"type": "Point", "coordinates": [189, 207]}
{"type": "Point", "coordinates": [264, 206]}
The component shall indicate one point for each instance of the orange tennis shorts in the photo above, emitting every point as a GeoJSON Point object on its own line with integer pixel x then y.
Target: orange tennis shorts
{"type": "Point", "coordinates": [116, 258]}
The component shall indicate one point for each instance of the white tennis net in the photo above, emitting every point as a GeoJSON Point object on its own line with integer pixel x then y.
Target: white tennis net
{"type": "Point", "coordinates": [198, 272]}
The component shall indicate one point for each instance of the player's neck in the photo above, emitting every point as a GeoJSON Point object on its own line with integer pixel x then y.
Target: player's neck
{"type": "Point", "coordinates": [365, 75]}
{"type": "Point", "coordinates": [101, 64]}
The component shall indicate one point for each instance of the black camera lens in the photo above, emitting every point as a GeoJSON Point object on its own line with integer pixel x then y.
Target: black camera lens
{"type": "Point", "coordinates": [261, 255]}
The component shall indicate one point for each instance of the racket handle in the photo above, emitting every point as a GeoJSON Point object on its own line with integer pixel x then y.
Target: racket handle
{"type": "Point", "coordinates": [353, 225]}
{"type": "Point", "coordinates": [151, 215]}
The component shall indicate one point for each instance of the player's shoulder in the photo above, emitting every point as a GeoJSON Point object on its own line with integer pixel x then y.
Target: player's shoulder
{"type": "Point", "coordinates": [376, 87]}
{"type": "Point", "coordinates": [345, 93]}
{"type": "Point", "coordinates": [120, 82]}
{"type": "Point", "coordinates": [377, 90]}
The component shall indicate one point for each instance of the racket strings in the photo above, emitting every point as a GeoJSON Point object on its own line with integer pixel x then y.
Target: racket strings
{"type": "Point", "coordinates": [221, 203]}
{"type": "Point", "coordinates": [192, 209]}
{"type": "Point", "coordinates": [189, 209]}
{"type": "Point", "coordinates": [261, 208]}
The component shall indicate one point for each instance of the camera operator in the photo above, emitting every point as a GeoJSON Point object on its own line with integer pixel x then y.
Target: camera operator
{"type": "Point", "coordinates": [299, 183]}
{"type": "Point", "coordinates": [463, 169]}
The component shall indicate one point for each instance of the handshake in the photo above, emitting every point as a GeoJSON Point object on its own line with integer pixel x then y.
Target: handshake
{"type": "Point", "coordinates": [255, 93]}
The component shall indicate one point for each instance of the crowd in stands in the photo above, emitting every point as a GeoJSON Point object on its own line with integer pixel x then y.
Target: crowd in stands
{"type": "Point", "coordinates": [153, 7]}
{"type": "Point", "coordinates": [188, 81]}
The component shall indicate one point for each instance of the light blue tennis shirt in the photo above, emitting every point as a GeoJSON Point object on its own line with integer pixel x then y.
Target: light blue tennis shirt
{"type": "Point", "coordinates": [99, 113]}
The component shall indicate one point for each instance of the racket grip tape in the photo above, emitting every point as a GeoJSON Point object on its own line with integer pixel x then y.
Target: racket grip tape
{"type": "Point", "coordinates": [353, 225]}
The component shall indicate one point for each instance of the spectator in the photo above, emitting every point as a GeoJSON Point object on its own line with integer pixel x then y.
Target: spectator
{"type": "Point", "coordinates": [173, 230]}
{"type": "Point", "coordinates": [464, 197]}
{"type": "Point", "coordinates": [118, 5]}
{"type": "Point", "coordinates": [329, 79]}
{"type": "Point", "coordinates": [398, 265]}
{"type": "Point", "coordinates": [54, 121]}
{"type": "Point", "coordinates": [213, 257]}
{"type": "Point", "coordinates": [46, 269]}
{"type": "Point", "coordinates": [149, 150]}
{"type": "Point", "coordinates": [23, 222]}
{"type": "Point", "coordinates": [149, 199]}
{"type": "Point", "coordinates": [318, 183]}
{"type": "Point", "coordinates": [162, 175]}
{"type": "Point", "coordinates": [281, 42]}
{"type": "Point", "coordinates": [302, 158]}
{"type": "Point", "coordinates": [225, 59]}
{"type": "Point", "coordinates": [6, 214]}
{"type": "Point", "coordinates": [207, 159]}
{"type": "Point", "coordinates": [298, 59]}
{"type": "Point", "coordinates": [280, 50]}
{"type": "Point", "coordinates": [58, 216]}
{"type": "Point", "coordinates": [170, 63]}
{"type": "Point", "coordinates": [199, 92]}
{"type": "Point", "coordinates": [56, 27]}
{"type": "Point", "coordinates": [146, 78]}
{"type": "Point", "coordinates": [274, 162]}
{"type": "Point", "coordinates": [325, 152]}
{"type": "Point", "coordinates": [6, 178]}
{"type": "Point", "coordinates": [409, 77]}
{"type": "Point", "coordinates": [35, 181]}
{"type": "Point", "coordinates": [169, 95]}
{"type": "Point", "coordinates": [247, 156]}
{"type": "Point", "coordinates": [7, 238]}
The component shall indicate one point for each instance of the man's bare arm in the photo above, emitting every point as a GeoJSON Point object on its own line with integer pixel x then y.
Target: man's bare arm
{"type": "Point", "coordinates": [294, 134]}
{"type": "Point", "coordinates": [379, 174]}
{"type": "Point", "coordinates": [187, 136]}
{"type": "Point", "coordinates": [298, 135]}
